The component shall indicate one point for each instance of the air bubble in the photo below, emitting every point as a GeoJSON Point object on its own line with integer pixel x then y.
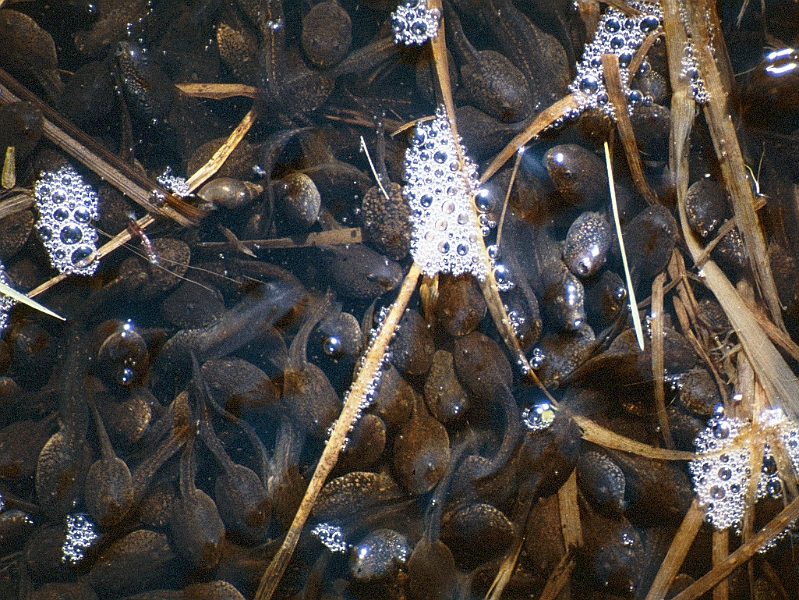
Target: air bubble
{"type": "Point", "coordinates": [71, 234]}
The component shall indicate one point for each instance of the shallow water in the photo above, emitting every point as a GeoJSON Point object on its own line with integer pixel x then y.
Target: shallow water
{"type": "Point", "coordinates": [218, 353]}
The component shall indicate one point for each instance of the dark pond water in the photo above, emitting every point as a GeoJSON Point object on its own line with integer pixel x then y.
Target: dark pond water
{"type": "Point", "coordinates": [157, 443]}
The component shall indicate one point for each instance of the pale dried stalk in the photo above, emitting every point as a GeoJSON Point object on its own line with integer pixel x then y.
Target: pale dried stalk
{"type": "Point", "coordinates": [332, 237]}
{"type": "Point", "coordinates": [488, 286]}
{"type": "Point", "coordinates": [744, 553]}
{"type": "Point", "coordinates": [678, 550]}
{"type": "Point", "coordinates": [218, 91]}
{"type": "Point", "coordinates": [610, 66]}
{"type": "Point", "coordinates": [506, 569]}
{"type": "Point", "coordinates": [544, 119]}
{"type": "Point", "coordinates": [609, 439]}
{"type": "Point", "coordinates": [731, 162]}
{"type": "Point", "coordinates": [559, 577]}
{"type": "Point", "coordinates": [224, 151]}
{"type": "Point", "coordinates": [570, 513]}
{"type": "Point", "coordinates": [721, 548]}
{"type": "Point", "coordinates": [360, 389]}
{"type": "Point", "coordinates": [656, 341]}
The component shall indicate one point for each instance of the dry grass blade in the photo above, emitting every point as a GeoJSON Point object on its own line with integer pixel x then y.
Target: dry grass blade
{"type": "Point", "coordinates": [218, 91]}
{"type": "Point", "coordinates": [334, 237]}
{"type": "Point", "coordinates": [744, 553]}
{"type": "Point", "coordinates": [544, 119]}
{"type": "Point", "coordinates": [559, 577]}
{"type": "Point", "coordinates": [505, 570]}
{"type": "Point", "coordinates": [639, 332]}
{"type": "Point", "coordinates": [609, 439]}
{"type": "Point", "coordinates": [17, 200]}
{"type": "Point", "coordinates": [570, 513]}
{"type": "Point", "coordinates": [721, 549]}
{"type": "Point", "coordinates": [111, 168]}
{"type": "Point", "coordinates": [360, 390]}
{"type": "Point", "coordinates": [677, 552]}
{"type": "Point", "coordinates": [8, 179]}
{"type": "Point", "coordinates": [223, 152]}
{"type": "Point", "coordinates": [731, 162]}
{"type": "Point", "coordinates": [488, 285]}
{"type": "Point", "coordinates": [656, 340]}
{"type": "Point", "coordinates": [20, 297]}
{"type": "Point", "coordinates": [610, 65]}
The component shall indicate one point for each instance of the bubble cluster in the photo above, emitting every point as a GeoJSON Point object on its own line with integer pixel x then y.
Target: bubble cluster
{"type": "Point", "coordinates": [722, 472]}
{"type": "Point", "coordinates": [621, 35]}
{"type": "Point", "coordinates": [690, 71]}
{"type": "Point", "coordinates": [414, 23]}
{"type": "Point", "coordinates": [174, 183]}
{"type": "Point", "coordinates": [66, 208]}
{"type": "Point", "coordinates": [81, 534]}
{"type": "Point", "coordinates": [446, 228]}
{"type": "Point", "coordinates": [6, 302]}
{"type": "Point", "coordinates": [331, 536]}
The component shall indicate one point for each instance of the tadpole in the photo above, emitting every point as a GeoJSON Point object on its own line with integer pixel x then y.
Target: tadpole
{"type": "Point", "coordinates": [243, 502]}
{"type": "Point", "coordinates": [65, 458]}
{"type": "Point", "coordinates": [109, 485]}
{"type": "Point", "coordinates": [307, 392]}
{"type": "Point", "coordinates": [197, 528]}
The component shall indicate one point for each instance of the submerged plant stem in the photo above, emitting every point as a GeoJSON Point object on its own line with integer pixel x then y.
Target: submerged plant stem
{"type": "Point", "coordinates": [367, 375]}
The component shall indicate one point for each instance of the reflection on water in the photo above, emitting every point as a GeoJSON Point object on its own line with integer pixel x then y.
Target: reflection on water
{"type": "Point", "coordinates": [159, 442]}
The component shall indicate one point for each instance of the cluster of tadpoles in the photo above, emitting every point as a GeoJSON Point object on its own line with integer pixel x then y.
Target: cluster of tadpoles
{"type": "Point", "coordinates": [760, 425]}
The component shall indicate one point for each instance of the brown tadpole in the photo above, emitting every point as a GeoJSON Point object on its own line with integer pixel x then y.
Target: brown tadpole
{"type": "Point", "coordinates": [197, 529]}
{"type": "Point", "coordinates": [307, 392]}
{"type": "Point", "coordinates": [244, 504]}
{"type": "Point", "coordinates": [65, 459]}
{"type": "Point", "coordinates": [485, 371]}
{"type": "Point", "coordinates": [421, 450]}
{"type": "Point", "coordinates": [492, 82]}
{"type": "Point", "coordinates": [109, 485]}
{"type": "Point", "coordinates": [167, 436]}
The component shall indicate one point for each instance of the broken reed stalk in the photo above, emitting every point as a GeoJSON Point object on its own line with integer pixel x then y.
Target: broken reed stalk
{"type": "Point", "coordinates": [680, 545]}
{"type": "Point", "coordinates": [111, 168]}
{"type": "Point", "coordinates": [744, 553]}
{"type": "Point", "coordinates": [569, 510]}
{"type": "Point", "coordinates": [720, 551]}
{"type": "Point", "coordinates": [544, 119]}
{"type": "Point", "coordinates": [656, 342]}
{"type": "Point", "coordinates": [224, 151]}
{"type": "Point", "coordinates": [218, 91]}
{"type": "Point", "coordinates": [610, 66]}
{"type": "Point", "coordinates": [610, 439]}
{"type": "Point", "coordinates": [360, 390]}
{"type": "Point", "coordinates": [488, 285]}
{"type": "Point", "coordinates": [333, 237]}
{"type": "Point", "coordinates": [731, 162]}
{"type": "Point", "coordinates": [770, 368]}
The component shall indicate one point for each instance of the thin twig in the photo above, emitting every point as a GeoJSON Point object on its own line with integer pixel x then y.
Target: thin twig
{"type": "Point", "coordinates": [744, 553]}
{"type": "Point", "coordinates": [610, 66]}
{"type": "Point", "coordinates": [356, 398]}
{"type": "Point", "coordinates": [333, 237]}
{"type": "Point", "coordinates": [656, 341]}
{"type": "Point", "coordinates": [137, 186]}
{"type": "Point", "coordinates": [691, 523]}
{"type": "Point", "coordinates": [218, 91]}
